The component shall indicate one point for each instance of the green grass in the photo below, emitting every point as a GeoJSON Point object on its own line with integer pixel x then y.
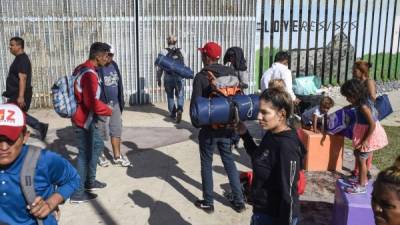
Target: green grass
{"type": "Point", "coordinates": [384, 75]}
{"type": "Point", "coordinates": [381, 75]}
{"type": "Point", "coordinates": [385, 157]}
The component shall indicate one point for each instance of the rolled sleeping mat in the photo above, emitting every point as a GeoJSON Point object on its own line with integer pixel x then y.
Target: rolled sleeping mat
{"type": "Point", "coordinates": [170, 65]}
{"type": "Point", "coordinates": [248, 106]}
{"type": "Point", "coordinates": [207, 111]}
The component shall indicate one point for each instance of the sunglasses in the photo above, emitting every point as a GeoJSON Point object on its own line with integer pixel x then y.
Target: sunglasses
{"type": "Point", "coordinates": [7, 140]}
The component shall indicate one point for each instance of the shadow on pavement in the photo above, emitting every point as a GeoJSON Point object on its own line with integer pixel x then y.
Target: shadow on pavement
{"type": "Point", "coordinates": [315, 213]}
{"type": "Point", "coordinates": [102, 212]}
{"type": "Point", "coordinates": [160, 212]}
{"type": "Point", "coordinates": [154, 163]}
{"type": "Point", "coordinates": [182, 125]}
{"type": "Point", "coordinates": [64, 137]}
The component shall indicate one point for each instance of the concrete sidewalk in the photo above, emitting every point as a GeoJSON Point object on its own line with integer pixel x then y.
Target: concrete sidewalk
{"type": "Point", "coordinates": [165, 179]}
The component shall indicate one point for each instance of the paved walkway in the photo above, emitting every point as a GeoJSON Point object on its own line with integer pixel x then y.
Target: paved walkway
{"type": "Point", "coordinates": [165, 180]}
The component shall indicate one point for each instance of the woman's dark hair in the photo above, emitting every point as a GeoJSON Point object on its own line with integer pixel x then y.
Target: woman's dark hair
{"type": "Point", "coordinates": [390, 177]}
{"type": "Point", "coordinates": [356, 89]}
{"type": "Point", "coordinates": [238, 62]}
{"type": "Point", "coordinates": [280, 99]}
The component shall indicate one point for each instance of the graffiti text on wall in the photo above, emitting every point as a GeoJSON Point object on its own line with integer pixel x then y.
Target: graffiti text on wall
{"type": "Point", "coordinates": [306, 26]}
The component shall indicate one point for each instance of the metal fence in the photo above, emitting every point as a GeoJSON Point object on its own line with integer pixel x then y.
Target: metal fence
{"type": "Point", "coordinates": [58, 34]}
{"type": "Point", "coordinates": [325, 37]}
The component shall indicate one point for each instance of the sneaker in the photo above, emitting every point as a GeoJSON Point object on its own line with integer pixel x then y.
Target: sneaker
{"type": "Point", "coordinates": [356, 189]}
{"type": "Point", "coordinates": [43, 131]}
{"type": "Point", "coordinates": [353, 179]}
{"type": "Point", "coordinates": [178, 116]}
{"type": "Point", "coordinates": [201, 204]}
{"type": "Point", "coordinates": [103, 162]}
{"type": "Point", "coordinates": [80, 197]}
{"type": "Point", "coordinates": [238, 207]}
{"type": "Point", "coordinates": [96, 185]}
{"type": "Point", "coordinates": [122, 161]}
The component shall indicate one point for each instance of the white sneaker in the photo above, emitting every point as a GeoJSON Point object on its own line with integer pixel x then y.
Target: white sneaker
{"type": "Point", "coordinates": [122, 161]}
{"type": "Point", "coordinates": [103, 162]}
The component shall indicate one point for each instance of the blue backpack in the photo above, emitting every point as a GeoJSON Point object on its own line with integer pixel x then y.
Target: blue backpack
{"type": "Point", "coordinates": [64, 101]}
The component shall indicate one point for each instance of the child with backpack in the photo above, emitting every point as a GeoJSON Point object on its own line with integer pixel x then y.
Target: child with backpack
{"type": "Point", "coordinates": [368, 133]}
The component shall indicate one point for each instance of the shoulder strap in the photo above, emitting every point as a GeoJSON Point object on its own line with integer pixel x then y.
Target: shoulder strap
{"type": "Point", "coordinates": [27, 175]}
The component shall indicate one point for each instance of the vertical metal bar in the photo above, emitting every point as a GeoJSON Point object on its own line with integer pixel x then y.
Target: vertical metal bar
{"type": "Point", "coordinates": [391, 39]}
{"type": "Point", "coordinates": [308, 35]}
{"type": "Point", "coordinates": [281, 25]}
{"type": "Point", "coordinates": [358, 25]}
{"type": "Point", "coordinates": [348, 40]}
{"type": "Point", "coordinates": [340, 42]}
{"type": "Point", "coordinates": [324, 45]}
{"type": "Point", "coordinates": [316, 38]}
{"type": "Point", "coordinates": [299, 37]}
{"type": "Point", "coordinates": [384, 41]}
{"type": "Point", "coordinates": [365, 28]}
{"type": "Point", "coordinates": [397, 54]}
{"type": "Point", "coordinates": [138, 91]}
{"type": "Point", "coordinates": [332, 41]}
{"type": "Point", "coordinates": [261, 58]}
{"type": "Point", "coordinates": [377, 42]}
{"type": "Point", "coordinates": [290, 33]}
{"type": "Point", "coordinates": [271, 33]}
{"type": "Point", "coordinates": [372, 32]}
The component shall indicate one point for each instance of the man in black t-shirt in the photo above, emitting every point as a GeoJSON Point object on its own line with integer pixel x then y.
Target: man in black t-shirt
{"type": "Point", "coordinates": [18, 84]}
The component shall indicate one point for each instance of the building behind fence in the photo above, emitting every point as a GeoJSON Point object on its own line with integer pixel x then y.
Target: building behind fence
{"type": "Point", "coordinates": [58, 34]}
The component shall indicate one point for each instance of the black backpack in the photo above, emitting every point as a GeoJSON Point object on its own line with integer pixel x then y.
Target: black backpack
{"type": "Point", "coordinates": [175, 54]}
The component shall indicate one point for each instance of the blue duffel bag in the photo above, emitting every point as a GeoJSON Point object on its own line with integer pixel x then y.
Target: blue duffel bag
{"type": "Point", "coordinates": [170, 65]}
{"type": "Point", "coordinates": [220, 110]}
{"type": "Point", "coordinates": [206, 111]}
{"type": "Point", "coordinates": [248, 106]}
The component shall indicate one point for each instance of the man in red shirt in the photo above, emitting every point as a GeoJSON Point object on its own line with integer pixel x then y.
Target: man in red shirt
{"type": "Point", "coordinates": [89, 111]}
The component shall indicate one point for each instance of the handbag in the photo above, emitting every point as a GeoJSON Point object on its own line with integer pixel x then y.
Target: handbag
{"type": "Point", "coordinates": [383, 106]}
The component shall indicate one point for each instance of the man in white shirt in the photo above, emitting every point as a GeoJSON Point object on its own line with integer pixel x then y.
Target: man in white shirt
{"type": "Point", "coordinates": [279, 70]}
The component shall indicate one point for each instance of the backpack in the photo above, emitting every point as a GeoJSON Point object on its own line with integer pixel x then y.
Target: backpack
{"type": "Point", "coordinates": [64, 101]}
{"type": "Point", "coordinates": [27, 176]}
{"type": "Point", "coordinates": [226, 87]}
{"type": "Point", "coordinates": [175, 54]}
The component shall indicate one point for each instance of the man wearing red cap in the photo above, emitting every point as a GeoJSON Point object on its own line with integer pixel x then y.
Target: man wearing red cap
{"type": "Point", "coordinates": [210, 137]}
{"type": "Point", "coordinates": [55, 179]}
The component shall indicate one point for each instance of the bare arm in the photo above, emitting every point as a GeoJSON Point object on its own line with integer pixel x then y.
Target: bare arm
{"type": "Point", "coordinates": [366, 111]}
{"type": "Point", "coordinates": [371, 89]}
{"type": "Point", "coordinates": [21, 89]}
{"type": "Point", "coordinates": [315, 123]}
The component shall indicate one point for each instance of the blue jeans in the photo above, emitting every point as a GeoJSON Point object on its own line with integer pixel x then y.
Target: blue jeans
{"type": "Point", "coordinates": [90, 147]}
{"type": "Point", "coordinates": [174, 88]}
{"type": "Point", "coordinates": [264, 219]}
{"type": "Point", "coordinates": [207, 145]}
